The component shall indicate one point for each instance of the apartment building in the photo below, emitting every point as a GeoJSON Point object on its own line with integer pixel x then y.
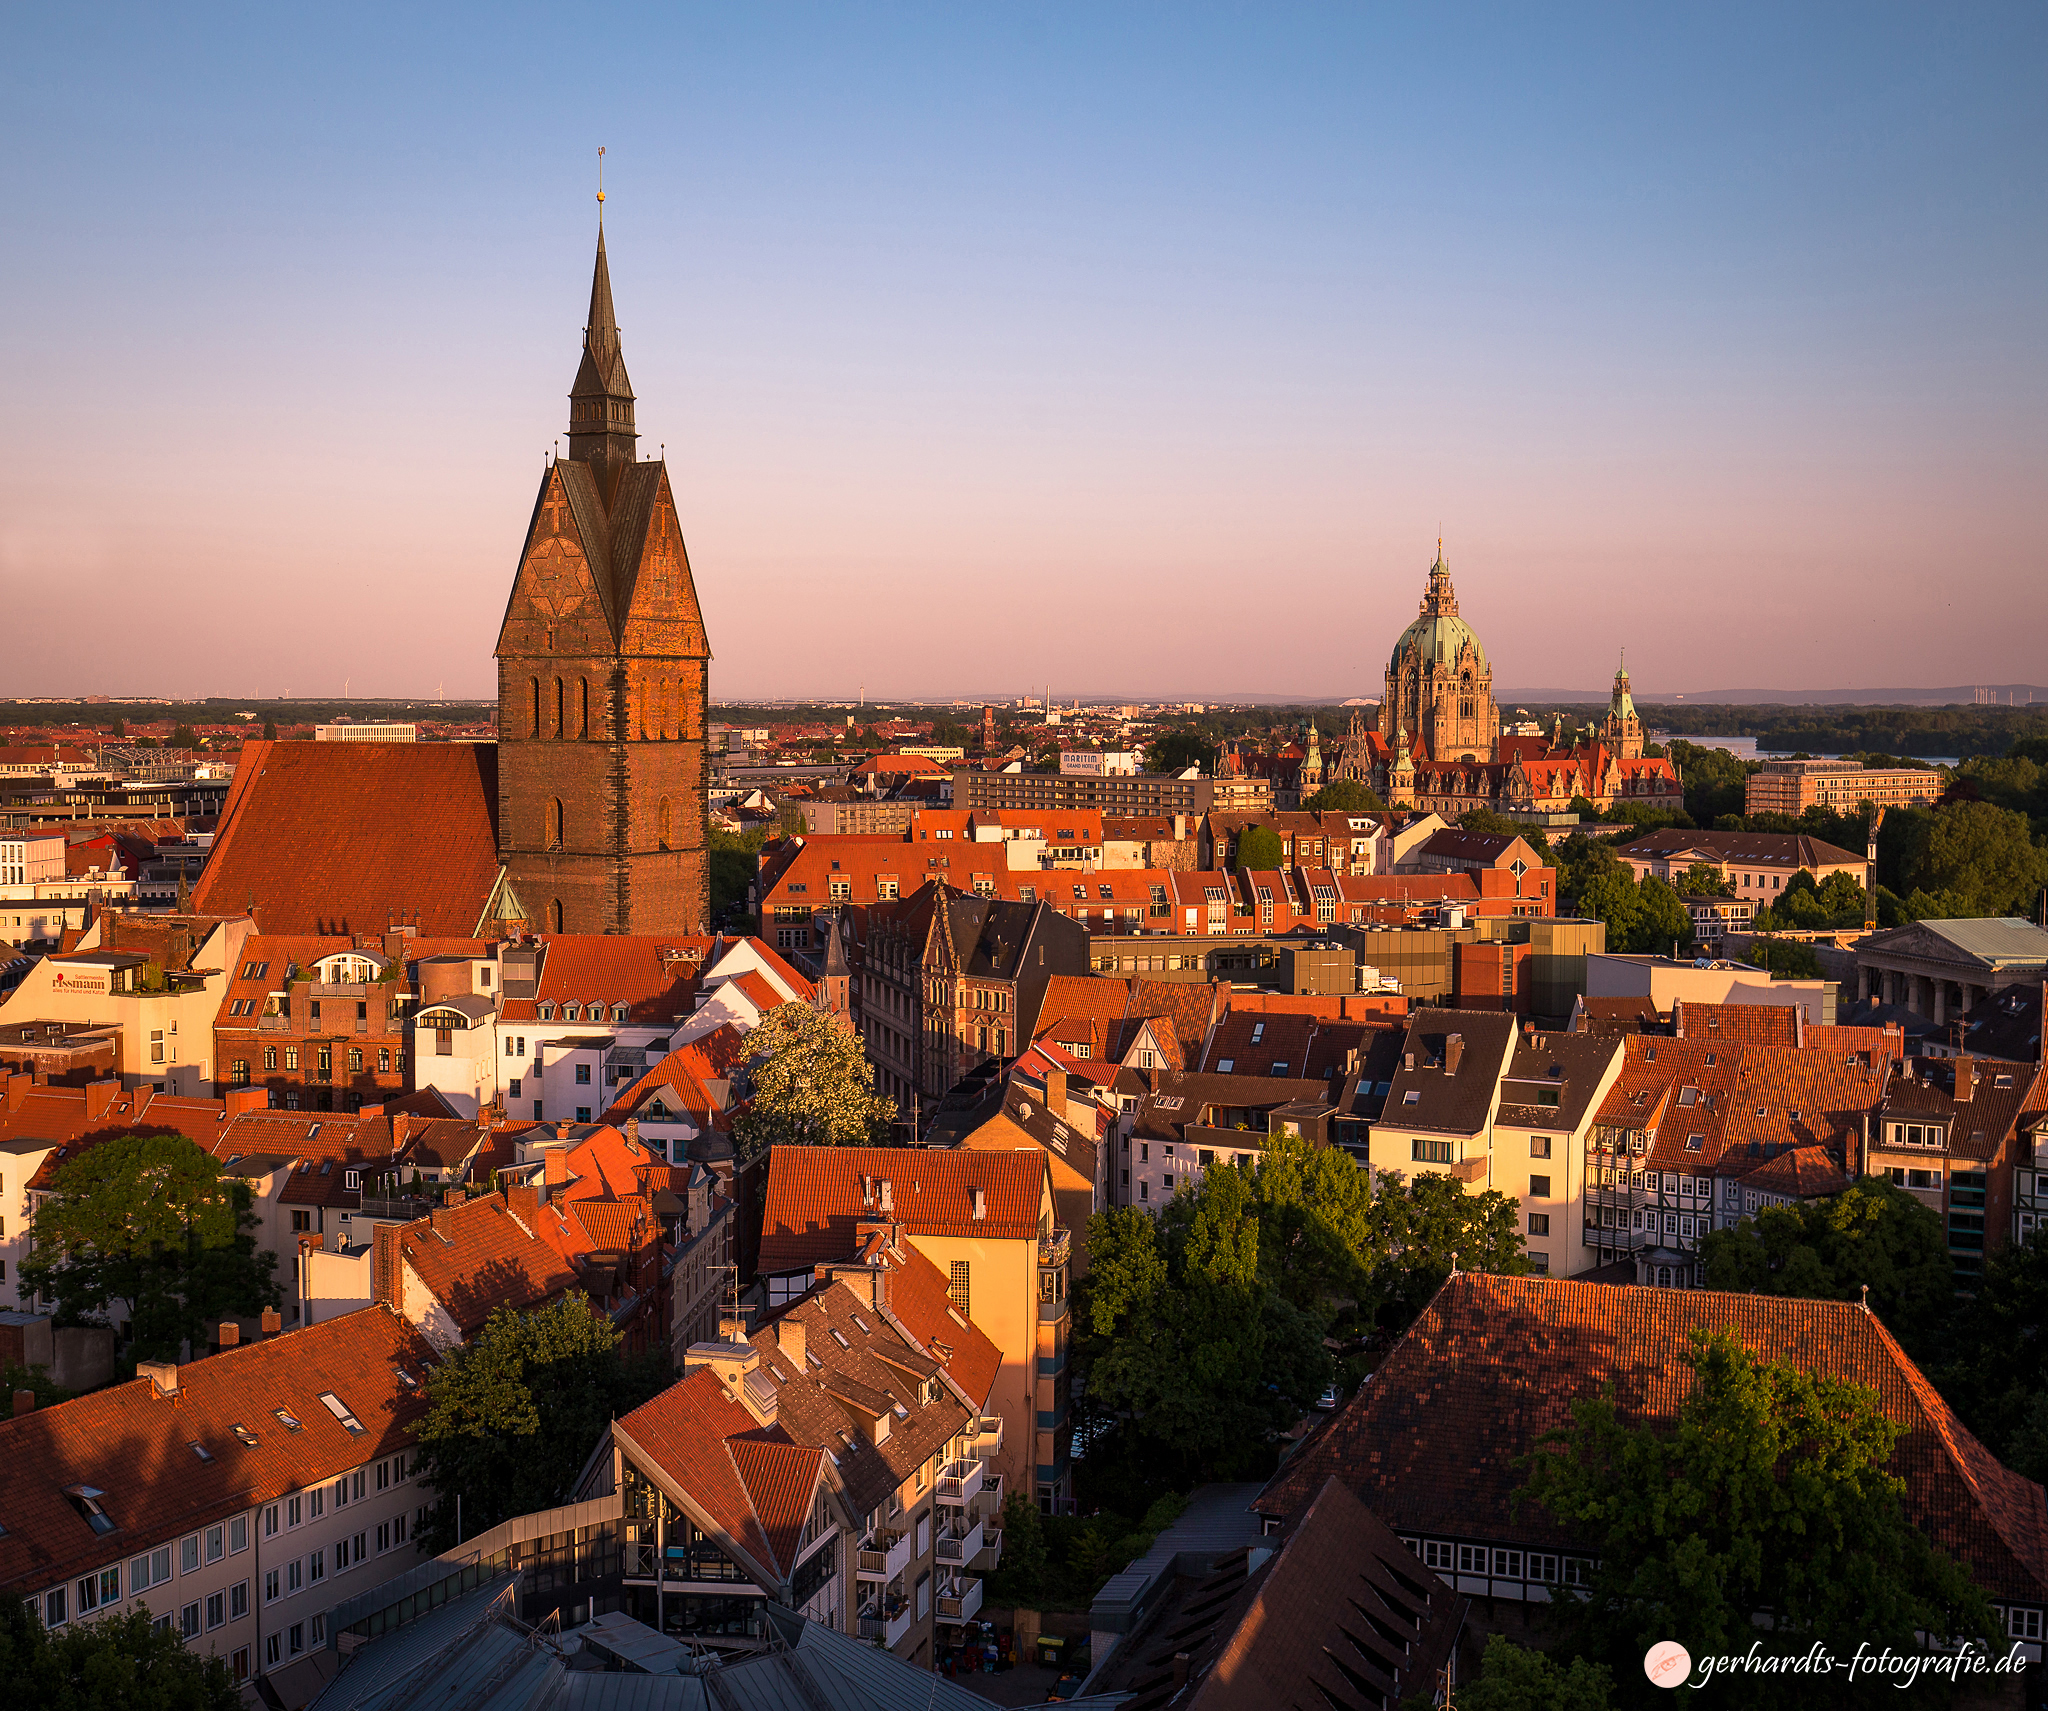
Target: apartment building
{"type": "Point", "coordinates": [236, 1498]}
{"type": "Point", "coordinates": [1793, 786]}
{"type": "Point", "coordinates": [987, 1220]}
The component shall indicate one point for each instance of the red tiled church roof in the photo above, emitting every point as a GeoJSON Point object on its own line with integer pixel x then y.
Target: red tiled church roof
{"type": "Point", "coordinates": [349, 837]}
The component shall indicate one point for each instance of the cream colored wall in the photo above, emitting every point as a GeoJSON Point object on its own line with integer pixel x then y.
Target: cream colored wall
{"type": "Point", "coordinates": [1002, 1301]}
{"type": "Point", "coordinates": [16, 1168]}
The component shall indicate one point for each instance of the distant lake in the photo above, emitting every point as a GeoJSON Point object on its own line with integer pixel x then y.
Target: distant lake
{"type": "Point", "coordinates": [1744, 748]}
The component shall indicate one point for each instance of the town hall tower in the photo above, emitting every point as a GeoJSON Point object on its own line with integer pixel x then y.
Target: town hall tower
{"type": "Point", "coordinates": [603, 679]}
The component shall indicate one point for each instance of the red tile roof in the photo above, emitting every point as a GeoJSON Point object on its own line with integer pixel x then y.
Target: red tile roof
{"type": "Point", "coordinates": [71, 1120]}
{"type": "Point", "coordinates": [1804, 1173]}
{"type": "Point", "coordinates": [1432, 1443]}
{"type": "Point", "coordinates": [1737, 1024]}
{"type": "Point", "coordinates": [682, 1078]}
{"type": "Point", "coordinates": [136, 1446]}
{"type": "Point", "coordinates": [744, 1476]}
{"type": "Point", "coordinates": [919, 1300]}
{"type": "Point", "coordinates": [477, 1258]}
{"type": "Point", "coordinates": [815, 1197]}
{"type": "Point", "coordinates": [350, 837]}
{"type": "Point", "coordinates": [653, 975]}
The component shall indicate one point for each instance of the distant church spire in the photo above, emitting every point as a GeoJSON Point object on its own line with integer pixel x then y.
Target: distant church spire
{"type": "Point", "coordinates": [601, 401]}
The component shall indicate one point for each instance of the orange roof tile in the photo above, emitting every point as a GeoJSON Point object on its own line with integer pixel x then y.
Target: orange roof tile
{"type": "Point", "coordinates": [349, 837]}
{"type": "Point", "coordinates": [136, 1446]}
{"type": "Point", "coordinates": [476, 1258]}
{"type": "Point", "coordinates": [815, 1197]}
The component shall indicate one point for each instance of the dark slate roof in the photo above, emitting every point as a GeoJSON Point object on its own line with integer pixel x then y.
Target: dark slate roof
{"type": "Point", "coordinates": [1571, 1065]}
{"type": "Point", "coordinates": [1450, 1103]}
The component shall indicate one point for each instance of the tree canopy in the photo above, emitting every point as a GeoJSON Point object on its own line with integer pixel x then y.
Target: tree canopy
{"type": "Point", "coordinates": [1996, 1370]}
{"type": "Point", "coordinates": [811, 1085]}
{"type": "Point", "coordinates": [1258, 850]}
{"type": "Point", "coordinates": [1963, 859]}
{"type": "Point", "coordinates": [1517, 1678]}
{"type": "Point", "coordinates": [145, 1229]}
{"type": "Point", "coordinates": [513, 1416]}
{"type": "Point", "coordinates": [1344, 796]}
{"type": "Point", "coordinates": [1874, 1234]}
{"type": "Point", "coordinates": [119, 1663]}
{"type": "Point", "coordinates": [1176, 751]}
{"type": "Point", "coordinates": [1768, 1493]}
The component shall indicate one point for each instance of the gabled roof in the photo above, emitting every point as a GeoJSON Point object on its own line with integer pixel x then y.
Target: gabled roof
{"type": "Point", "coordinates": [681, 1081]}
{"type": "Point", "coordinates": [350, 837]}
{"type": "Point", "coordinates": [1803, 1173]}
{"type": "Point", "coordinates": [1787, 1097]}
{"type": "Point", "coordinates": [754, 1482]}
{"type": "Point", "coordinates": [476, 1257]}
{"type": "Point", "coordinates": [818, 1195]}
{"type": "Point", "coordinates": [1738, 1024]}
{"type": "Point", "coordinates": [1450, 1102]}
{"type": "Point", "coordinates": [1569, 1065]}
{"type": "Point", "coordinates": [1432, 1443]}
{"type": "Point", "coordinates": [136, 1447]}
{"type": "Point", "coordinates": [654, 975]}
{"type": "Point", "coordinates": [1790, 850]}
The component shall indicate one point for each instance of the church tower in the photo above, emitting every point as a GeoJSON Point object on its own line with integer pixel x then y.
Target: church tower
{"type": "Point", "coordinates": [603, 678]}
{"type": "Point", "coordinates": [1622, 730]}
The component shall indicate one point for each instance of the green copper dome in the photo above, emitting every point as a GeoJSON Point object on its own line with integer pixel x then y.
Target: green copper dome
{"type": "Point", "coordinates": [1437, 640]}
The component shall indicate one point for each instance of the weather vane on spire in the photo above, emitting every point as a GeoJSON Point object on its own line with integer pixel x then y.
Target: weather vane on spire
{"type": "Point", "coordinates": [600, 186]}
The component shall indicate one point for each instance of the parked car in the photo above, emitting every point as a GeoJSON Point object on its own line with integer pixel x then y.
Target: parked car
{"type": "Point", "coordinates": [1329, 1399]}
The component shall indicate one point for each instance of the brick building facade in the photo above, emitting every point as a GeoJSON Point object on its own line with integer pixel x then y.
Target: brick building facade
{"type": "Point", "coordinates": [602, 679]}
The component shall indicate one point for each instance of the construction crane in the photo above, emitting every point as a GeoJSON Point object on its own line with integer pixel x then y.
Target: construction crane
{"type": "Point", "coordinates": [1870, 873]}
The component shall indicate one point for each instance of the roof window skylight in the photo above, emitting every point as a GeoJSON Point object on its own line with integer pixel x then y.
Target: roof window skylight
{"type": "Point", "coordinates": [340, 1410]}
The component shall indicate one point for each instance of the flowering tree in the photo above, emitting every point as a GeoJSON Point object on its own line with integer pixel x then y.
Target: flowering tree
{"type": "Point", "coordinates": [811, 1086]}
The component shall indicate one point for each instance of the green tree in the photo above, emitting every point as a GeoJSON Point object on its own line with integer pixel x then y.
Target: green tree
{"type": "Point", "coordinates": [1664, 920]}
{"type": "Point", "coordinates": [811, 1085]}
{"type": "Point", "coordinates": [1485, 820]}
{"type": "Point", "coordinates": [120, 730]}
{"type": "Point", "coordinates": [1873, 1233]}
{"type": "Point", "coordinates": [1344, 796]}
{"type": "Point", "coordinates": [1020, 1577]}
{"type": "Point", "coordinates": [1258, 850]}
{"type": "Point", "coordinates": [1704, 879]}
{"type": "Point", "coordinates": [270, 730]}
{"type": "Point", "coordinates": [146, 1229]}
{"type": "Point", "coordinates": [1516, 1678]}
{"type": "Point", "coordinates": [1611, 895]}
{"type": "Point", "coordinates": [1314, 1209]}
{"type": "Point", "coordinates": [120, 1663]}
{"type": "Point", "coordinates": [1421, 1226]}
{"type": "Point", "coordinates": [1716, 783]}
{"type": "Point", "coordinates": [184, 737]}
{"type": "Point", "coordinates": [1996, 1373]}
{"type": "Point", "coordinates": [512, 1417]}
{"type": "Point", "coordinates": [1176, 751]}
{"type": "Point", "coordinates": [1787, 959]}
{"type": "Point", "coordinates": [1966, 859]}
{"type": "Point", "coordinates": [1767, 1493]}
{"type": "Point", "coordinates": [735, 857]}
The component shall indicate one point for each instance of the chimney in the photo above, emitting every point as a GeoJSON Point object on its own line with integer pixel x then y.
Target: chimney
{"type": "Point", "coordinates": [1056, 1092]}
{"type": "Point", "coordinates": [789, 1338]}
{"type": "Point", "coordinates": [1454, 1052]}
{"type": "Point", "coordinates": [1181, 1660]}
{"type": "Point", "coordinates": [99, 1099]}
{"type": "Point", "coordinates": [979, 1196]}
{"type": "Point", "coordinates": [237, 1100]}
{"type": "Point", "coordinates": [885, 1194]}
{"type": "Point", "coordinates": [273, 1323]}
{"type": "Point", "coordinates": [385, 1259]}
{"type": "Point", "coordinates": [1678, 1018]}
{"type": "Point", "coordinates": [18, 1089]}
{"type": "Point", "coordinates": [1966, 1080]}
{"type": "Point", "coordinates": [444, 1223]}
{"type": "Point", "coordinates": [162, 1374]}
{"type": "Point", "coordinates": [24, 1403]}
{"type": "Point", "coordinates": [229, 1334]}
{"type": "Point", "coordinates": [632, 1134]}
{"type": "Point", "coordinates": [523, 1203]}
{"type": "Point", "coordinates": [1799, 1024]}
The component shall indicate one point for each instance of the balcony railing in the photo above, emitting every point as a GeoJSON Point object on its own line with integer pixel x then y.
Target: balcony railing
{"type": "Point", "coordinates": [877, 1622]}
{"type": "Point", "coordinates": [882, 1556]}
{"type": "Point", "coordinates": [958, 1548]}
{"type": "Point", "coordinates": [990, 1557]}
{"type": "Point", "coordinates": [959, 1600]}
{"type": "Point", "coordinates": [960, 1482]}
{"type": "Point", "coordinates": [988, 1437]}
{"type": "Point", "coordinates": [991, 1503]}
{"type": "Point", "coordinates": [1056, 1248]}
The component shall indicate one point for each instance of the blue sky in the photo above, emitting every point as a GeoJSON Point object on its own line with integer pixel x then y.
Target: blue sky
{"type": "Point", "coordinates": [1140, 350]}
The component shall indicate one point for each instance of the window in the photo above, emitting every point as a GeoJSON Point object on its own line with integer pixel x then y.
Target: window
{"type": "Point", "coordinates": [1412, 1097]}
{"type": "Point", "coordinates": [1539, 1146]}
{"type": "Point", "coordinates": [188, 1554]}
{"type": "Point", "coordinates": [216, 1610]}
{"type": "Point", "coordinates": [957, 1286]}
{"type": "Point", "coordinates": [316, 1566]}
{"type": "Point", "coordinates": [1431, 1152]}
{"type": "Point", "coordinates": [583, 1075]}
{"type": "Point", "coordinates": [188, 1621]}
{"type": "Point", "coordinates": [1539, 1223]}
{"type": "Point", "coordinates": [273, 1650]}
{"type": "Point", "coordinates": [238, 1533]}
{"type": "Point", "coordinates": [238, 1600]}
{"type": "Point", "coordinates": [273, 1585]}
{"type": "Point", "coordinates": [1539, 1187]}
{"type": "Point", "coordinates": [291, 1057]}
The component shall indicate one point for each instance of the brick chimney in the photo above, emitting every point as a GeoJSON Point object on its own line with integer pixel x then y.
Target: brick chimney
{"type": "Point", "coordinates": [1454, 1052]}
{"type": "Point", "coordinates": [273, 1323]}
{"type": "Point", "coordinates": [978, 1198]}
{"type": "Point", "coordinates": [444, 1223]}
{"type": "Point", "coordinates": [18, 1089]}
{"type": "Point", "coordinates": [24, 1403]}
{"type": "Point", "coordinates": [99, 1099]}
{"type": "Point", "coordinates": [1966, 1080]}
{"type": "Point", "coordinates": [789, 1338]}
{"type": "Point", "coordinates": [237, 1100]}
{"type": "Point", "coordinates": [1056, 1093]}
{"type": "Point", "coordinates": [228, 1335]}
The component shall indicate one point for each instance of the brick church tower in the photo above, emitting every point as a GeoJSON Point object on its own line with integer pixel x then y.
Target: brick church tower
{"type": "Point", "coordinates": [602, 679]}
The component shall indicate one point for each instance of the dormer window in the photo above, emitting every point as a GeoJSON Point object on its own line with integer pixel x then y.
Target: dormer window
{"type": "Point", "coordinates": [86, 1500]}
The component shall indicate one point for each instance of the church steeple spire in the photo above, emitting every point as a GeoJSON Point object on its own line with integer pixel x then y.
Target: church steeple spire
{"type": "Point", "coordinates": [601, 401]}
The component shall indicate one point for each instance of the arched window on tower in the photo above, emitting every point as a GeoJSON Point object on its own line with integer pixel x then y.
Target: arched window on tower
{"type": "Point", "coordinates": [668, 707]}
{"type": "Point", "coordinates": [555, 824]}
{"type": "Point", "coordinates": [661, 825]}
{"type": "Point", "coordinates": [533, 691]}
{"type": "Point", "coordinates": [555, 915]}
{"type": "Point", "coordinates": [640, 704]}
{"type": "Point", "coordinates": [558, 707]}
{"type": "Point", "coordinates": [583, 707]}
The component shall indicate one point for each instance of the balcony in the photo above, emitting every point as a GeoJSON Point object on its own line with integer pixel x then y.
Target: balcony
{"type": "Point", "coordinates": [990, 1557]}
{"type": "Point", "coordinates": [991, 1504]}
{"type": "Point", "coordinates": [959, 1600]}
{"type": "Point", "coordinates": [958, 1547]}
{"type": "Point", "coordinates": [1056, 1248]}
{"type": "Point", "coordinates": [882, 1556]}
{"type": "Point", "coordinates": [960, 1482]}
{"type": "Point", "coordinates": [886, 1621]}
{"type": "Point", "coordinates": [988, 1437]}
